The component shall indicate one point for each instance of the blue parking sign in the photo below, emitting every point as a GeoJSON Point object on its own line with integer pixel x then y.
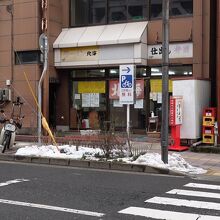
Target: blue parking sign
{"type": "Point", "coordinates": [126, 81]}
{"type": "Point", "coordinates": [126, 84]}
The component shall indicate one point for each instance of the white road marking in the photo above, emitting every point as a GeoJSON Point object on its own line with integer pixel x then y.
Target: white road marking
{"type": "Point", "coordinates": [203, 186]}
{"type": "Point", "coordinates": [13, 181]}
{"type": "Point", "coordinates": [166, 215]}
{"type": "Point", "coordinates": [55, 208]}
{"type": "Point", "coordinates": [194, 193]}
{"type": "Point", "coordinates": [184, 202]}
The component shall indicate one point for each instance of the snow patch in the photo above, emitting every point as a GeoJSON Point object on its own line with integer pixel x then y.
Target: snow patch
{"type": "Point", "coordinates": [175, 161]}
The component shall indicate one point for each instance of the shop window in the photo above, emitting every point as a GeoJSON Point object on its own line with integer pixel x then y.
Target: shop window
{"type": "Point", "coordinates": [89, 101]}
{"type": "Point", "coordinates": [92, 73]}
{"type": "Point", "coordinates": [177, 8]}
{"type": "Point", "coordinates": [27, 57]}
{"type": "Point", "coordinates": [140, 72]}
{"type": "Point", "coordinates": [185, 70]}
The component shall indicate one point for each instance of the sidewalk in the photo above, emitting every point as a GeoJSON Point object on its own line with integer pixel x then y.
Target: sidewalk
{"type": "Point", "coordinates": [208, 161]}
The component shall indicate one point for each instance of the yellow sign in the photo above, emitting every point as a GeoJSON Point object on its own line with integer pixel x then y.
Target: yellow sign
{"type": "Point", "coordinates": [156, 85]}
{"type": "Point", "coordinates": [91, 87]}
{"type": "Point", "coordinates": [79, 54]}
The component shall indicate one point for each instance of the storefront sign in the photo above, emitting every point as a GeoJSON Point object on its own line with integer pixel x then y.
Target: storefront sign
{"type": "Point", "coordinates": [176, 106]}
{"type": "Point", "coordinates": [184, 50]}
{"type": "Point", "coordinates": [91, 87]}
{"type": "Point", "coordinates": [79, 54]}
{"type": "Point", "coordinates": [114, 89]}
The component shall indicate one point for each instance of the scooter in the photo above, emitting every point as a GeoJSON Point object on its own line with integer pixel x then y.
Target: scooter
{"type": "Point", "coordinates": [8, 132]}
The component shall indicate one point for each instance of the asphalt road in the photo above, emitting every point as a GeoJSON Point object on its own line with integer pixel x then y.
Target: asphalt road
{"type": "Point", "coordinates": [48, 192]}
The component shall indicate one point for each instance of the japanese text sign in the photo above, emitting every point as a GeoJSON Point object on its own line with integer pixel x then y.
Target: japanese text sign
{"type": "Point", "coordinates": [176, 110]}
{"type": "Point", "coordinates": [126, 84]}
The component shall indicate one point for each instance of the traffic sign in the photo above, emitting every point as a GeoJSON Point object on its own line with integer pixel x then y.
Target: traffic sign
{"type": "Point", "coordinates": [126, 84]}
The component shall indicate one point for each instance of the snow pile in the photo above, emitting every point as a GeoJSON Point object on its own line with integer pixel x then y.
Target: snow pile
{"type": "Point", "coordinates": [176, 162]}
{"type": "Point", "coordinates": [65, 151]}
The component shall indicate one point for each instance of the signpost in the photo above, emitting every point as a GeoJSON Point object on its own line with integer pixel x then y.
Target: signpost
{"type": "Point", "coordinates": [44, 47]}
{"type": "Point", "coordinates": [126, 89]}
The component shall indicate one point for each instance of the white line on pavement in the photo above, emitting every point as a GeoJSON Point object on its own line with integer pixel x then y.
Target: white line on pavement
{"type": "Point", "coordinates": [165, 215]}
{"type": "Point", "coordinates": [12, 182]}
{"type": "Point", "coordinates": [203, 186]}
{"type": "Point", "coordinates": [184, 202]}
{"type": "Point", "coordinates": [55, 208]}
{"type": "Point", "coordinates": [194, 193]}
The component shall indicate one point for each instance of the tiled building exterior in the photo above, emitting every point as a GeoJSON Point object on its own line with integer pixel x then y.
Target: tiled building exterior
{"type": "Point", "coordinates": [20, 22]}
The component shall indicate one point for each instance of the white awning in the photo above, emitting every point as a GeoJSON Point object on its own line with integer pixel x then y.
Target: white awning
{"type": "Point", "coordinates": [102, 35]}
{"type": "Point", "coordinates": [103, 45]}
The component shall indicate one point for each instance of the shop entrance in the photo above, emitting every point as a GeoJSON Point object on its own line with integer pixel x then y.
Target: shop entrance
{"type": "Point", "coordinates": [95, 101]}
{"type": "Point", "coordinates": [90, 102]}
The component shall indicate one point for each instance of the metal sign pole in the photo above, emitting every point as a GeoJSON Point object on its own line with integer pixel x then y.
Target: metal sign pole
{"type": "Point", "coordinates": [165, 83]}
{"type": "Point", "coordinates": [43, 42]}
{"type": "Point", "coordinates": [126, 90]}
{"type": "Point", "coordinates": [128, 121]}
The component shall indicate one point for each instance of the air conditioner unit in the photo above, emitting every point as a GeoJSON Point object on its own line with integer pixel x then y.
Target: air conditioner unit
{"type": "Point", "coordinates": [6, 94]}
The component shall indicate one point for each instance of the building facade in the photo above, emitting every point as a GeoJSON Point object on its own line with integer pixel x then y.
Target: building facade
{"type": "Point", "coordinates": [89, 40]}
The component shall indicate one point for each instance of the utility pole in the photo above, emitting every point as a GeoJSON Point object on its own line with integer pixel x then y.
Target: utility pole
{"type": "Point", "coordinates": [165, 83]}
{"type": "Point", "coordinates": [44, 47]}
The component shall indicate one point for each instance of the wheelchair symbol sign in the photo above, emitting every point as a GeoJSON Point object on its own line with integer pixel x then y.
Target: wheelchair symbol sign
{"type": "Point", "coordinates": [126, 81]}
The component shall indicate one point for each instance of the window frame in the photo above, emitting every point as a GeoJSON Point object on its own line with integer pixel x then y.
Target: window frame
{"type": "Point", "coordinates": [170, 15]}
{"type": "Point", "coordinates": [107, 20]}
{"type": "Point", "coordinates": [19, 61]}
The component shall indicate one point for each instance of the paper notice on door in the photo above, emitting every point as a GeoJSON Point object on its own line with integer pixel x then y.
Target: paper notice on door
{"type": "Point", "coordinates": [139, 103]}
{"type": "Point", "coordinates": [159, 97]}
{"type": "Point", "coordinates": [94, 99]}
{"type": "Point", "coordinates": [86, 100]}
{"type": "Point", "coordinates": [116, 103]}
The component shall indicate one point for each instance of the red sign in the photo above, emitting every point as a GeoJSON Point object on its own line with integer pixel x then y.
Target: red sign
{"type": "Point", "coordinates": [176, 107]}
{"type": "Point", "coordinates": [114, 89]}
{"type": "Point", "coordinates": [172, 110]}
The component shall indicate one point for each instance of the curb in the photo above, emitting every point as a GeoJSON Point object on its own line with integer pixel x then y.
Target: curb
{"type": "Point", "coordinates": [205, 149]}
{"type": "Point", "coordinates": [105, 165]}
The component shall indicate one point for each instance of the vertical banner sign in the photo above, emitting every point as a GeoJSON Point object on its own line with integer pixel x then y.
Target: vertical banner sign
{"type": "Point", "coordinates": [176, 109]}
{"type": "Point", "coordinates": [126, 84]}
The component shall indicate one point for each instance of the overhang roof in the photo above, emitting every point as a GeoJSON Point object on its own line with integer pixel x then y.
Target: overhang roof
{"type": "Point", "coordinates": [134, 32]}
